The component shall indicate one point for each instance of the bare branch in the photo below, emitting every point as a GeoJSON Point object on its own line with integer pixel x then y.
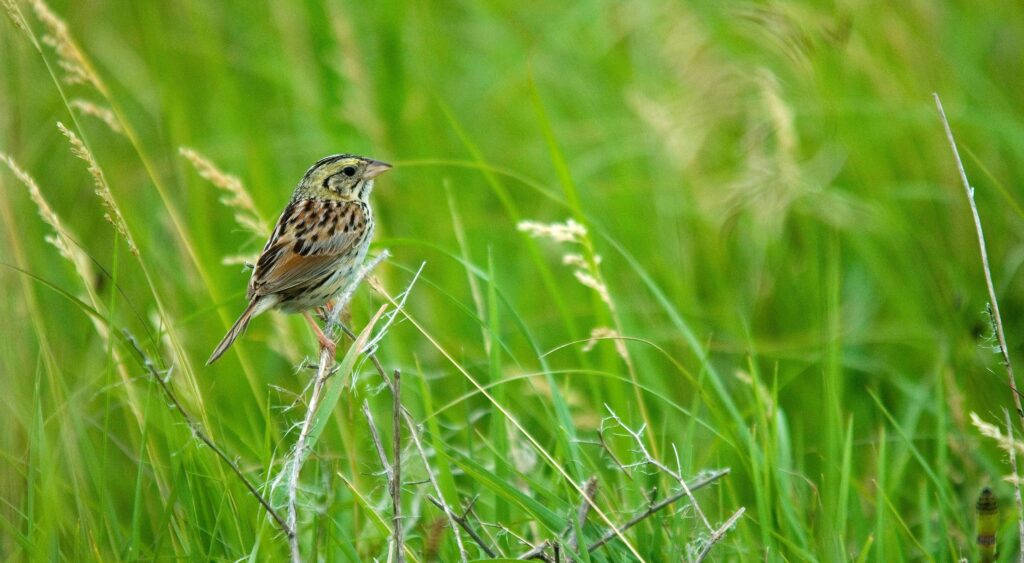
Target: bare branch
{"type": "Point", "coordinates": [537, 552]}
{"type": "Point", "coordinates": [463, 523]}
{"type": "Point", "coordinates": [414, 434]}
{"type": "Point", "coordinates": [996, 317]}
{"type": "Point", "coordinates": [1016, 484]}
{"type": "Point", "coordinates": [395, 486]}
{"type": "Point", "coordinates": [197, 431]}
{"type": "Point", "coordinates": [699, 484]}
{"type": "Point", "coordinates": [375, 436]}
{"type": "Point", "coordinates": [651, 460]}
{"type": "Point", "coordinates": [293, 466]}
{"type": "Point", "coordinates": [720, 533]}
{"type": "Point", "coordinates": [589, 490]}
{"type": "Point", "coordinates": [298, 457]}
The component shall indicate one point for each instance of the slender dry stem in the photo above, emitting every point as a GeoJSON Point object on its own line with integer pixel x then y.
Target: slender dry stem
{"type": "Point", "coordinates": [326, 367]}
{"type": "Point", "coordinates": [463, 522]}
{"type": "Point", "coordinates": [699, 484]}
{"type": "Point", "coordinates": [637, 437]}
{"type": "Point", "coordinates": [718, 534]}
{"type": "Point", "coordinates": [589, 490]}
{"type": "Point", "coordinates": [1012, 450]}
{"type": "Point", "coordinates": [375, 437]}
{"type": "Point", "coordinates": [395, 486]}
{"type": "Point", "coordinates": [537, 552]}
{"type": "Point", "coordinates": [996, 317]}
{"type": "Point", "coordinates": [197, 431]}
{"type": "Point", "coordinates": [448, 512]}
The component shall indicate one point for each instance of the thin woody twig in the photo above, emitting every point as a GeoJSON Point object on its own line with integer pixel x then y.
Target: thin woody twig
{"type": "Point", "coordinates": [720, 533]}
{"type": "Point", "coordinates": [437, 488]}
{"type": "Point", "coordinates": [589, 490]}
{"type": "Point", "coordinates": [396, 467]}
{"type": "Point", "coordinates": [375, 437]}
{"type": "Point", "coordinates": [463, 523]}
{"type": "Point", "coordinates": [392, 475]}
{"type": "Point", "coordinates": [1012, 450]}
{"type": "Point", "coordinates": [699, 484]}
{"type": "Point", "coordinates": [997, 319]}
{"type": "Point", "coordinates": [993, 302]}
{"type": "Point", "coordinates": [414, 434]}
{"type": "Point", "coordinates": [324, 370]}
{"type": "Point", "coordinates": [326, 367]}
{"type": "Point", "coordinates": [651, 460]}
{"type": "Point", "coordinates": [197, 431]}
{"type": "Point", "coordinates": [537, 552]}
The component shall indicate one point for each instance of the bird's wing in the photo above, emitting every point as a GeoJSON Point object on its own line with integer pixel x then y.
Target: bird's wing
{"type": "Point", "coordinates": [310, 237]}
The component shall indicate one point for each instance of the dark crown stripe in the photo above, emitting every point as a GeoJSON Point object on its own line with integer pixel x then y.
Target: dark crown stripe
{"type": "Point", "coordinates": [325, 161]}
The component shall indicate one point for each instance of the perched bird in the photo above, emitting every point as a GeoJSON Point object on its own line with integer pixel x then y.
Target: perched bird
{"type": "Point", "coordinates": [317, 246]}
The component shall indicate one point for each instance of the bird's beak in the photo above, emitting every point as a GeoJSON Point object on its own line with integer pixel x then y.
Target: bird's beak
{"type": "Point", "coordinates": [376, 168]}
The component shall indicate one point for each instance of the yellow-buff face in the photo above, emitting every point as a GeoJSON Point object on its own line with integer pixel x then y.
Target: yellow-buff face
{"type": "Point", "coordinates": [342, 177]}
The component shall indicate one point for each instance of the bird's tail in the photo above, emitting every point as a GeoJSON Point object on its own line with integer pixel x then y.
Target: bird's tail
{"type": "Point", "coordinates": [236, 330]}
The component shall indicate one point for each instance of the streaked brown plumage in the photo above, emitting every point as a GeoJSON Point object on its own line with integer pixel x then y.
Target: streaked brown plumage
{"type": "Point", "coordinates": [317, 245]}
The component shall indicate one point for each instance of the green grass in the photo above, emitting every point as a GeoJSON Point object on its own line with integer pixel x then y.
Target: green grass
{"type": "Point", "coordinates": [769, 202]}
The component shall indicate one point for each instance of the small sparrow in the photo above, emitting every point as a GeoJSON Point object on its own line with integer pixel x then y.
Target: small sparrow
{"type": "Point", "coordinates": [317, 245]}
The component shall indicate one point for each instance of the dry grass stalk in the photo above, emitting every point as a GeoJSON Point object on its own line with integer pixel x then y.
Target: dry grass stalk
{"type": "Point", "coordinates": [236, 197]}
{"type": "Point", "coordinates": [720, 533]}
{"type": "Point", "coordinates": [198, 432]}
{"type": "Point", "coordinates": [589, 490]}
{"type": "Point", "coordinates": [70, 58]}
{"type": "Point", "coordinates": [648, 459]}
{"type": "Point", "coordinates": [508, 415]}
{"type": "Point", "coordinates": [16, 17]}
{"type": "Point", "coordinates": [587, 271]}
{"type": "Point", "coordinates": [289, 476]}
{"type": "Point", "coordinates": [85, 107]}
{"type": "Point", "coordinates": [395, 486]}
{"type": "Point", "coordinates": [113, 212]}
{"type": "Point", "coordinates": [59, 239]}
{"type": "Point", "coordinates": [997, 319]}
{"type": "Point", "coordinates": [1016, 485]}
{"type": "Point", "coordinates": [697, 484]}
{"type": "Point", "coordinates": [463, 522]}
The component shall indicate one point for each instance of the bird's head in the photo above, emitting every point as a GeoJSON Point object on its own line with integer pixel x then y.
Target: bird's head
{"type": "Point", "coordinates": [341, 177]}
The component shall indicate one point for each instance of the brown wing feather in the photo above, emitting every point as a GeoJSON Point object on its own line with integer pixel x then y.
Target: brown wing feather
{"type": "Point", "coordinates": [310, 237]}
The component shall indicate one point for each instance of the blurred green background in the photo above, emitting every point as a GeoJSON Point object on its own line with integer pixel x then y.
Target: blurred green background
{"type": "Point", "coordinates": [780, 227]}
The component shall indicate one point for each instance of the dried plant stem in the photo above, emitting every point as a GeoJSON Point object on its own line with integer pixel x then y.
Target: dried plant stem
{"type": "Point", "coordinates": [448, 512]}
{"type": "Point", "coordinates": [197, 431]}
{"type": "Point", "coordinates": [375, 437]}
{"type": "Point", "coordinates": [414, 434]}
{"type": "Point", "coordinates": [395, 486]}
{"type": "Point", "coordinates": [699, 484]}
{"type": "Point", "coordinates": [720, 533]}
{"type": "Point", "coordinates": [651, 460]}
{"type": "Point", "coordinates": [513, 420]}
{"type": "Point", "coordinates": [996, 317]}
{"type": "Point", "coordinates": [326, 367]}
{"type": "Point", "coordinates": [589, 490]}
{"type": "Point", "coordinates": [537, 552]}
{"type": "Point", "coordinates": [463, 523]}
{"type": "Point", "coordinates": [1012, 450]}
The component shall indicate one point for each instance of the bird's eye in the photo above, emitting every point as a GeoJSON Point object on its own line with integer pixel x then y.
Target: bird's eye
{"type": "Point", "coordinates": [349, 171]}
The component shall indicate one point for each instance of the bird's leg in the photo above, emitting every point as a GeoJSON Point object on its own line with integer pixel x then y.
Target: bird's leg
{"type": "Point", "coordinates": [325, 310]}
{"type": "Point", "coordinates": [344, 319]}
{"type": "Point", "coordinates": [325, 343]}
